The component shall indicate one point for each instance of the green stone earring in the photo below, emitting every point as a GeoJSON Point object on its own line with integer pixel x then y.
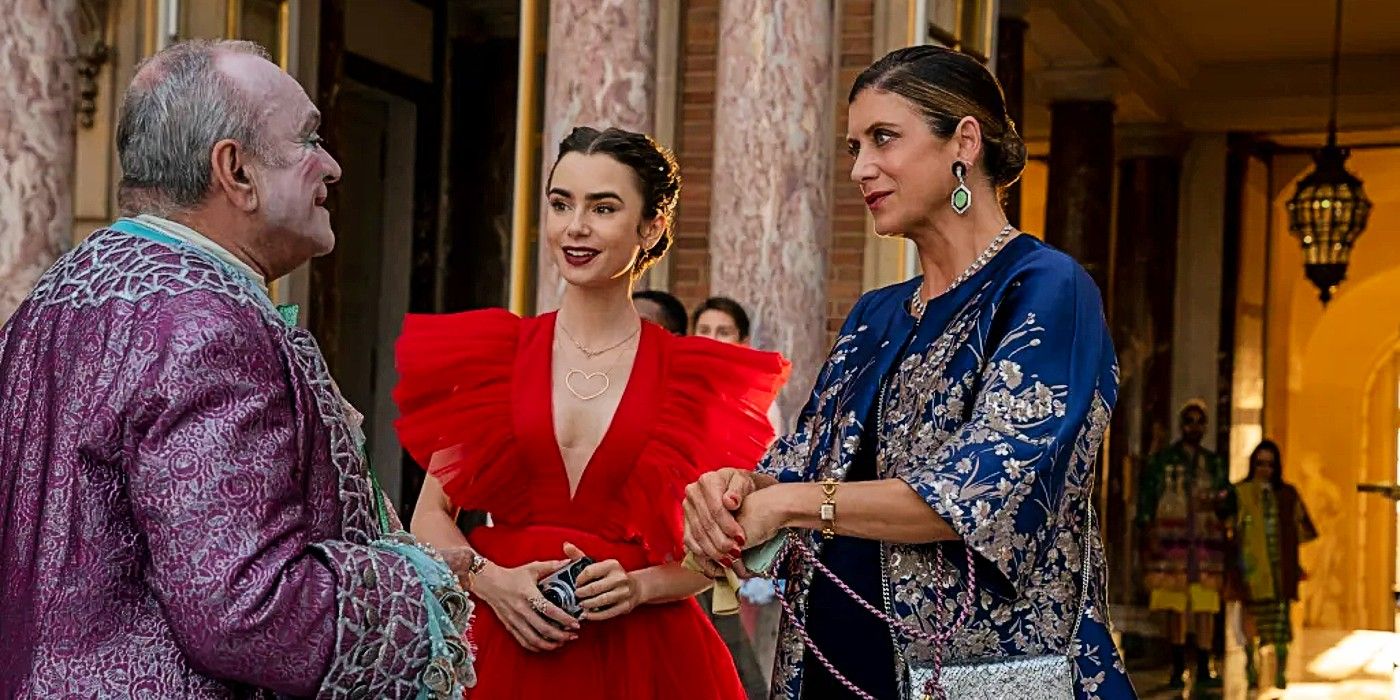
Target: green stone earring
{"type": "Point", "coordinates": [962, 196]}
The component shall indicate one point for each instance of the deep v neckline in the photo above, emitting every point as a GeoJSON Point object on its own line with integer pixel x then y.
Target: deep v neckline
{"type": "Point", "coordinates": [622, 438]}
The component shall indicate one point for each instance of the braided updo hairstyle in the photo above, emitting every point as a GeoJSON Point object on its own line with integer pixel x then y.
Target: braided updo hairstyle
{"type": "Point", "coordinates": [945, 86]}
{"type": "Point", "coordinates": [658, 176]}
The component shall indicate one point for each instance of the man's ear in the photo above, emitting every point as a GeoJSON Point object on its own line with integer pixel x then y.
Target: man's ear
{"type": "Point", "coordinates": [228, 164]}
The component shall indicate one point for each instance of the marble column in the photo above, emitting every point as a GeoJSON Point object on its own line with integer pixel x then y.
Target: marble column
{"type": "Point", "coordinates": [770, 220]}
{"type": "Point", "coordinates": [1142, 318]}
{"type": "Point", "coordinates": [1011, 73]}
{"type": "Point", "coordinates": [1079, 201]}
{"type": "Point", "coordinates": [600, 72]}
{"type": "Point", "coordinates": [38, 101]}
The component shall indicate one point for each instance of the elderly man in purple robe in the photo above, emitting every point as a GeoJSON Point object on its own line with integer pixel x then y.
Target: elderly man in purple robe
{"type": "Point", "coordinates": [185, 508]}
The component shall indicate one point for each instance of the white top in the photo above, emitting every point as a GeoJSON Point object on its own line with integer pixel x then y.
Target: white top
{"type": "Point", "coordinates": [775, 416]}
{"type": "Point", "coordinates": [189, 236]}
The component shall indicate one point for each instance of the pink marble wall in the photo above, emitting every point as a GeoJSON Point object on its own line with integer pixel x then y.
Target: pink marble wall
{"type": "Point", "coordinates": [601, 72]}
{"type": "Point", "coordinates": [38, 97]}
{"type": "Point", "coordinates": [770, 211]}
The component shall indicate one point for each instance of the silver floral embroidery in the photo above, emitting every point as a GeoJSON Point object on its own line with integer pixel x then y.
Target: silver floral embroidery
{"type": "Point", "coordinates": [969, 425]}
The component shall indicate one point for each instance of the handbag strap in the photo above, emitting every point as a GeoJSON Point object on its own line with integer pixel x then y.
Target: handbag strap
{"type": "Point", "coordinates": [817, 652]}
{"type": "Point", "coordinates": [1086, 557]}
{"type": "Point", "coordinates": [936, 638]}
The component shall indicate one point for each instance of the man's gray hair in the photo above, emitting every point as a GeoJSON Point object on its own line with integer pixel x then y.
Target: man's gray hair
{"type": "Point", "coordinates": [179, 105]}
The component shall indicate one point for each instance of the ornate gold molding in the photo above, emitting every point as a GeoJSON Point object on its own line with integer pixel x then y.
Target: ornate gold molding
{"type": "Point", "coordinates": [93, 53]}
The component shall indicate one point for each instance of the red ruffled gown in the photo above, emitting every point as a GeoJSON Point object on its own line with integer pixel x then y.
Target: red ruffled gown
{"type": "Point", "coordinates": [479, 385]}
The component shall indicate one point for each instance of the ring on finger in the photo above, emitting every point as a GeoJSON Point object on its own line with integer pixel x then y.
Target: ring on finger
{"type": "Point", "coordinates": [539, 604]}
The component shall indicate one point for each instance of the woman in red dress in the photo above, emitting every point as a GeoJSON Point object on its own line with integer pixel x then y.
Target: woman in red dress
{"type": "Point", "coordinates": [578, 432]}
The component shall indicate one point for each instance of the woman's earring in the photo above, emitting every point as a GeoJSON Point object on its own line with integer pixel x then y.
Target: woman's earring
{"type": "Point", "coordinates": [962, 196]}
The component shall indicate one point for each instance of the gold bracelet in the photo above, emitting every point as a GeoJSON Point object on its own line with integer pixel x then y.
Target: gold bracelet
{"type": "Point", "coordinates": [478, 563]}
{"type": "Point", "coordinates": [827, 512]}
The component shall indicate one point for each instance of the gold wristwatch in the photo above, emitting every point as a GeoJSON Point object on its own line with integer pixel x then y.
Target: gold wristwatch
{"type": "Point", "coordinates": [827, 512]}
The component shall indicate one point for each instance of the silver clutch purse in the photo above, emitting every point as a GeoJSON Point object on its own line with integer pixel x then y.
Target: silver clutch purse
{"type": "Point", "coordinates": [1043, 677]}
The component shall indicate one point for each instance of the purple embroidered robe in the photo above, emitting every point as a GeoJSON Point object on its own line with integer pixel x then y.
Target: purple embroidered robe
{"type": "Point", "coordinates": [184, 512]}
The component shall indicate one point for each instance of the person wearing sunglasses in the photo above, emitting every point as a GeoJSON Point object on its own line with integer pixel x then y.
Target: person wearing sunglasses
{"type": "Point", "coordinates": [1182, 505]}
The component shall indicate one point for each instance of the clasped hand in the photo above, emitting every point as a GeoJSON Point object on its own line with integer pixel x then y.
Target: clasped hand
{"type": "Point", "coordinates": [605, 590]}
{"type": "Point", "coordinates": [725, 513]}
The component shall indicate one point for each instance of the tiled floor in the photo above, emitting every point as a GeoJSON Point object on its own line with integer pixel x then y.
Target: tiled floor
{"type": "Point", "coordinates": [1323, 665]}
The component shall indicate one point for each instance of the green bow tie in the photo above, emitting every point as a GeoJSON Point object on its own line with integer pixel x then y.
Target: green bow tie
{"type": "Point", "coordinates": [290, 313]}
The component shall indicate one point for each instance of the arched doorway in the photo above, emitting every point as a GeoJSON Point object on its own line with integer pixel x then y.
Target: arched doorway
{"type": "Point", "coordinates": [1332, 400]}
{"type": "Point", "coordinates": [1341, 432]}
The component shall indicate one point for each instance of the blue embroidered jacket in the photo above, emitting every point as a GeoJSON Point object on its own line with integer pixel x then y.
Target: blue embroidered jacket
{"type": "Point", "coordinates": [995, 404]}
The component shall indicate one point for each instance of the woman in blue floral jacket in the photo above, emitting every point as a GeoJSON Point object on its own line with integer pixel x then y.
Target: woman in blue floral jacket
{"type": "Point", "coordinates": [943, 467]}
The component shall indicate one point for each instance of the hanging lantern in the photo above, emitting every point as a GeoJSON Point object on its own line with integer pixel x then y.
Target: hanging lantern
{"type": "Point", "coordinates": [1327, 213]}
{"type": "Point", "coordinates": [1329, 210]}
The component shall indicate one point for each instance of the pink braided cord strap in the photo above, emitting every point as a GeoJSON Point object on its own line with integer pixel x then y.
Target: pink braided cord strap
{"type": "Point", "coordinates": [938, 639]}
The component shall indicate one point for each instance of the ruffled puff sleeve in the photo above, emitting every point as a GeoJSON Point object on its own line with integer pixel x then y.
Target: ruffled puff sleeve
{"type": "Point", "coordinates": [454, 400]}
{"type": "Point", "coordinates": [714, 415]}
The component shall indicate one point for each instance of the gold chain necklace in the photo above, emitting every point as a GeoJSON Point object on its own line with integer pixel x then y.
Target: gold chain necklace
{"type": "Point", "coordinates": [583, 384]}
{"type": "Point", "coordinates": [917, 303]}
{"type": "Point", "coordinates": [590, 354]}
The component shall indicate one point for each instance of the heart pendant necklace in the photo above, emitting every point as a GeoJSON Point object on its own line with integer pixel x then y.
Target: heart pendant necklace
{"type": "Point", "coordinates": [586, 382]}
{"type": "Point", "coordinates": [585, 385]}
